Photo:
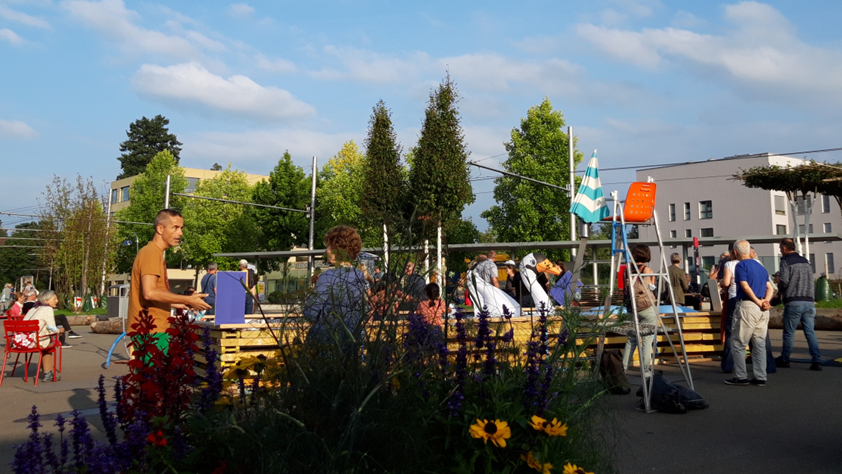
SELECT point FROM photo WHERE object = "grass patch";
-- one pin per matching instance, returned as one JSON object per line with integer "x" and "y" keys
{"x": 835, "y": 303}
{"x": 94, "y": 311}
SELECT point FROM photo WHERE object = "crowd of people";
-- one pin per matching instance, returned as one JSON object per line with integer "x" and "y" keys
{"x": 749, "y": 292}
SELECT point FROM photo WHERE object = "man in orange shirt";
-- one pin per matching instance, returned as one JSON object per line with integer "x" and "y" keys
{"x": 150, "y": 288}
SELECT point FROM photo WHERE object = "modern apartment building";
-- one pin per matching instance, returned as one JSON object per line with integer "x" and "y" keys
{"x": 701, "y": 199}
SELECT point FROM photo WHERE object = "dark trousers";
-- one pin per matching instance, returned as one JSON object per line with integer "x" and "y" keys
{"x": 61, "y": 320}
{"x": 727, "y": 363}
{"x": 249, "y": 303}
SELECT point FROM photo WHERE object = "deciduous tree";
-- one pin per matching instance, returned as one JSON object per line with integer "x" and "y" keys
{"x": 287, "y": 187}
{"x": 526, "y": 211}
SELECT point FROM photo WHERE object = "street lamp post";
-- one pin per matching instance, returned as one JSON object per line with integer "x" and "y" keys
{"x": 136, "y": 243}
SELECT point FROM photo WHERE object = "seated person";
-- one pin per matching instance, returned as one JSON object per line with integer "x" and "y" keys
{"x": 432, "y": 311}
{"x": 459, "y": 293}
{"x": 336, "y": 308}
{"x": 17, "y": 307}
{"x": 45, "y": 316}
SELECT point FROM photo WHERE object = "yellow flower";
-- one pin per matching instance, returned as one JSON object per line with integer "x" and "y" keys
{"x": 497, "y": 431}
{"x": 574, "y": 469}
{"x": 535, "y": 464}
{"x": 552, "y": 428}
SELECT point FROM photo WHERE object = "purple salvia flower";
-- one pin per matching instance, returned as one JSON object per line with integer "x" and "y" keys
{"x": 443, "y": 353}
{"x": 179, "y": 444}
{"x": 63, "y": 440}
{"x": 49, "y": 453}
{"x": 213, "y": 379}
{"x": 562, "y": 338}
{"x": 461, "y": 370}
{"x": 108, "y": 421}
{"x": 83, "y": 443}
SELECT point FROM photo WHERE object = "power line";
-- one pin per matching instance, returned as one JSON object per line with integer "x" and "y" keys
{"x": 240, "y": 202}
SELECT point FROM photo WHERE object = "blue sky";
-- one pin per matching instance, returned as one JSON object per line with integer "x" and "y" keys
{"x": 643, "y": 81}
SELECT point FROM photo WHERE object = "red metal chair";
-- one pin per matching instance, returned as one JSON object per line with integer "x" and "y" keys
{"x": 22, "y": 338}
{"x": 14, "y": 317}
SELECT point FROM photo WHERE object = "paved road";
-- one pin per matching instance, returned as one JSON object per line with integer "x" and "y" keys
{"x": 792, "y": 425}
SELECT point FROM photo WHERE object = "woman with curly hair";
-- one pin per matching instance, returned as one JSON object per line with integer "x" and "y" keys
{"x": 336, "y": 308}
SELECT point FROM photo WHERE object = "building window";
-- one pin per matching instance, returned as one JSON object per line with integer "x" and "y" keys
{"x": 828, "y": 257}
{"x": 827, "y": 228}
{"x": 705, "y": 210}
{"x": 780, "y": 205}
{"x": 191, "y": 185}
{"x": 673, "y": 234}
{"x": 686, "y": 211}
{"x": 708, "y": 262}
{"x": 688, "y": 233}
{"x": 707, "y": 232}
{"x": 125, "y": 193}
{"x": 825, "y": 203}
{"x": 813, "y": 262}
{"x": 801, "y": 228}
{"x": 672, "y": 212}
{"x": 114, "y": 195}
{"x": 780, "y": 229}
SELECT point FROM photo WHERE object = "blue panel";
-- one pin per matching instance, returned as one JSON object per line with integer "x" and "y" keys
{"x": 230, "y": 298}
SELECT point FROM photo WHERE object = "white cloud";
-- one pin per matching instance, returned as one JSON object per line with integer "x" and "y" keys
{"x": 492, "y": 72}
{"x": 16, "y": 129}
{"x": 278, "y": 65}
{"x": 20, "y": 17}
{"x": 241, "y": 10}
{"x": 261, "y": 149}
{"x": 761, "y": 54}
{"x": 371, "y": 67}
{"x": 112, "y": 19}
{"x": 10, "y": 36}
{"x": 192, "y": 84}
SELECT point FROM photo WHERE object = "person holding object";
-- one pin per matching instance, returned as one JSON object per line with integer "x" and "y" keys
{"x": 45, "y": 316}
{"x": 797, "y": 290}
{"x": 678, "y": 281}
{"x": 150, "y": 287}
{"x": 751, "y": 316}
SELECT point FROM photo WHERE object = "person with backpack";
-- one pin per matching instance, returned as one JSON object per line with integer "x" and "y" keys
{"x": 640, "y": 288}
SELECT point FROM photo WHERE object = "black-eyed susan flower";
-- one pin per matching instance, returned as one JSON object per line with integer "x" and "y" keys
{"x": 574, "y": 469}
{"x": 497, "y": 431}
{"x": 535, "y": 464}
{"x": 552, "y": 428}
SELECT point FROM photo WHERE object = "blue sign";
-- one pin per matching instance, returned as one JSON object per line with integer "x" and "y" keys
{"x": 127, "y": 242}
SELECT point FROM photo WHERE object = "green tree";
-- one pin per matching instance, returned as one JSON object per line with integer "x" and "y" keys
{"x": 287, "y": 187}
{"x": 146, "y": 138}
{"x": 146, "y": 199}
{"x": 463, "y": 231}
{"x": 385, "y": 182}
{"x": 526, "y": 211}
{"x": 438, "y": 178}
{"x": 339, "y": 195}
{"x": 76, "y": 226}
{"x": 212, "y": 227}
{"x": 18, "y": 261}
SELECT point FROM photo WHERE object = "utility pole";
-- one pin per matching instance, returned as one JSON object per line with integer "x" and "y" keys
{"x": 310, "y": 260}
{"x": 573, "y": 220}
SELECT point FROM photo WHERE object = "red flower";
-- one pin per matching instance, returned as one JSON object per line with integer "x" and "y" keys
{"x": 221, "y": 469}
{"x": 157, "y": 439}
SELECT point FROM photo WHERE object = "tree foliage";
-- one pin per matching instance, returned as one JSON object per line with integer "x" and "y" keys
{"x": 212, "y": 226}
{"x": 799, "y": 180}
{"x": 526, "y": 211}
{"x": 385, "y": 182}
{"x": 438, "y": 178}
{"x": 16, "y": 262}
{"x": 287, "y": 187}
{"x": 341, "y": 185}
{"x": 76, "y": 226}
{"x": 146, "y": 199}
{"x": 146, "y": 138}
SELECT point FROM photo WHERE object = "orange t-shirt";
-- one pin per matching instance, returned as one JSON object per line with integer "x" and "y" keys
{"x": 432, "y": 314}
{"x": 149, "y": 261}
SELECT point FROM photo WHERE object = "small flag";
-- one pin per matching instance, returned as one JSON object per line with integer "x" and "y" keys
{"x": 589, "y": 203}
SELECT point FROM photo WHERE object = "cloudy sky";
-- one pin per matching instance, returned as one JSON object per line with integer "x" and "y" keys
{"x": 643, "y": 81}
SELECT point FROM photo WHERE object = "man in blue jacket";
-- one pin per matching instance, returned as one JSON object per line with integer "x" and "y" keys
{"x": 797, "y": 291}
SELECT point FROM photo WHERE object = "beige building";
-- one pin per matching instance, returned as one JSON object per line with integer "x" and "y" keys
{"x": 700, "y": 200}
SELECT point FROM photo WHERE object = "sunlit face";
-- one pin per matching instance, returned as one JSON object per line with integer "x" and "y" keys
{"x": 329, "y": 255}
{"x": 410, "y": 267}
{"x": 53, "y": 301}
{"x": 171, "y": 231}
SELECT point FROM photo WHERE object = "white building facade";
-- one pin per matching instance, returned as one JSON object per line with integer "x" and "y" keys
{"x": 701, "y": 199}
